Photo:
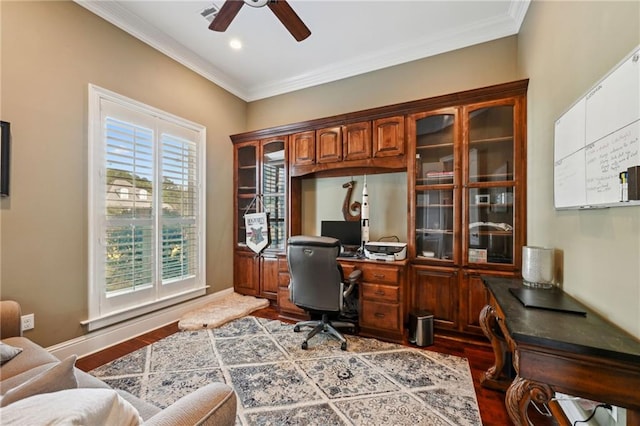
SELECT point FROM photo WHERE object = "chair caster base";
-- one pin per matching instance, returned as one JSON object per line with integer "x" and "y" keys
{"x": 343, "y": 346}
{"x": 296, "y": 329}
{"x": 305, "y": 345}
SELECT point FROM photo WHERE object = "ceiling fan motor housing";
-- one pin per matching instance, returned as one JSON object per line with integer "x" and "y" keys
{"x": 256, "y": 3}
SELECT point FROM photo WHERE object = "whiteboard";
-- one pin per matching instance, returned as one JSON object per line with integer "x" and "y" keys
{"x": 597, "y": 138}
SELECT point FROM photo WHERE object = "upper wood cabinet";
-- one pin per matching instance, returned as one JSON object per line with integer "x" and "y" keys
{"x": 329, "y": 145}
{"x": 330, "y": 149}
{"x": 302, "y": 148}
{"x": 388, "y": 136}
{"x": 466, "y": 185}
{"x": 356, "y": 142}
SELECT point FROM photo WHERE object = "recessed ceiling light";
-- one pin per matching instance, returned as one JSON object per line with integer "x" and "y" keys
{"x": 235, "y": 44}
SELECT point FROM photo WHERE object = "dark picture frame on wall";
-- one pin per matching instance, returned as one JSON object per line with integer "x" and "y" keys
{"x": 5, "y": 156}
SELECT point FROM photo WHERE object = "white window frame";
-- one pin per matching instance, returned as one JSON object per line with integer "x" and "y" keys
{"x": 106, "y": 309}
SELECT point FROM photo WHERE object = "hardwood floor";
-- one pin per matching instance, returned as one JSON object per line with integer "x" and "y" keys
{"x": 491, "y": 403}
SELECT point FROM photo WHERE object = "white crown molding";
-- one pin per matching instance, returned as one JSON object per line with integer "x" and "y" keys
{"x": 457, "y": 38}
{"x": 517, "y": 11}
{"x": 112, "y": 12}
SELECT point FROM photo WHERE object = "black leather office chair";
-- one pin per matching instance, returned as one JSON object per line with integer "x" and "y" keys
{"x": 317, "y": 285}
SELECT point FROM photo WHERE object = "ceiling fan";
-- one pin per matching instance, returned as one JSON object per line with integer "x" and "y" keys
{"x": 280, "y": 8}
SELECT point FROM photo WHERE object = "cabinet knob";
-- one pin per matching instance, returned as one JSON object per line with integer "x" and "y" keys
{"x": 379, "y": 276}
{"x": 378, "y": 315}
{"x": 380, "y": 293}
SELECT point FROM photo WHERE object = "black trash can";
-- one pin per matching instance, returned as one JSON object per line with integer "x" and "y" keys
{"x": 421, "y": 328}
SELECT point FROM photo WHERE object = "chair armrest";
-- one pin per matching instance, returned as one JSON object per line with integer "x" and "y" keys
{"x": 352, "y": 280}
{"x": 10, "y": 321}
{"x": 354, "y": 276}
{"x": 214, "y": 404}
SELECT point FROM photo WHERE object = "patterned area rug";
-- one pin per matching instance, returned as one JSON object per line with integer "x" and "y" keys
{"x": 221, "y": 311}
{"x": 278, "y": 383}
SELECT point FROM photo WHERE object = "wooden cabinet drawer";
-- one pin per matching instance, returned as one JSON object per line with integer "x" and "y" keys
{"x": 347, "y": 268}
{"x": 381, "y": 274}
{"x": 380, "y": 315}
{"x": 383, "y": 293}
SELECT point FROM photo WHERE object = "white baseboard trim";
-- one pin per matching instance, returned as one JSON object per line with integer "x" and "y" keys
{"x": 100, "y": 339}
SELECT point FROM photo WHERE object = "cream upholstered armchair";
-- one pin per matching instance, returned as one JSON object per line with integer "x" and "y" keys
{"x": 61, "y": 384}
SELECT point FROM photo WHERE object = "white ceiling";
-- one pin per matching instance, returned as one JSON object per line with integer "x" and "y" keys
{"x": 348, "y": 37}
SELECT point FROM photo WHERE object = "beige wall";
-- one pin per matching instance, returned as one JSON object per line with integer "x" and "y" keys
{"x": 565, "y": 48}
{"x": 477, "y": 66}
{"x": 50, "y": 52}
{"x": 387, "y": 193}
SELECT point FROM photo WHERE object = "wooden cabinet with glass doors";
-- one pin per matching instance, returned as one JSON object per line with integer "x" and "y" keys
{"x": 467, "y": 204}
{"x": 260, "y": 186}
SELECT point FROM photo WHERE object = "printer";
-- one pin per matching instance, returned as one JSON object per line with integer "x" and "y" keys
{"x": 382, "y": 250}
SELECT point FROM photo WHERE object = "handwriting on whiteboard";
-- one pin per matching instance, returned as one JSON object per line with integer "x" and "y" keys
{"x": 605, "y": 160}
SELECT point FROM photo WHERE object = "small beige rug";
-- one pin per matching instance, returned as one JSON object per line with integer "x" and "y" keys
{"x": 221, "y": 311}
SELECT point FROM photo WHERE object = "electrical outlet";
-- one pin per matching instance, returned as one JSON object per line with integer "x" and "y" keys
{"x": 28, "y": 322}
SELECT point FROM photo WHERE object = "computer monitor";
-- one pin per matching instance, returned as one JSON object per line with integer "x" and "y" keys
{"x": 348, "y": 232}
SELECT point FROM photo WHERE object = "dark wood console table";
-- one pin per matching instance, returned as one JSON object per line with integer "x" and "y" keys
{"x": 553, "y": 351}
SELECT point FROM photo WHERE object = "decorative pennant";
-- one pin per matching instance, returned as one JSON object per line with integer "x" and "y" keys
{"x": 257, "y": 226}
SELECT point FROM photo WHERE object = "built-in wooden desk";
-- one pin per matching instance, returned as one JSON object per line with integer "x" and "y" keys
{"x": 585, "y": 356}
{"x": 382, "y": 295}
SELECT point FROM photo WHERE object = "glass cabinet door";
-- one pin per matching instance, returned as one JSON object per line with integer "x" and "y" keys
{"x": 490, "y": 183}
{"x": 434, "y": 224}
{"x": 273, "y": 191}
{"x": 490, "y": 144}
{"x": 491, "y": 225}
{"x": 246, "y": 187}
{"x": 435, "y": 212}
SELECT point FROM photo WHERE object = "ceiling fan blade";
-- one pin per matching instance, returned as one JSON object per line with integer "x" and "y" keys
{"x": 289, "y": 19}
{"x": 225, "y": 15}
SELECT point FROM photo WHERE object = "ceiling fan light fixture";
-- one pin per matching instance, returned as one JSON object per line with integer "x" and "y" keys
{"x": 256, "y": 3}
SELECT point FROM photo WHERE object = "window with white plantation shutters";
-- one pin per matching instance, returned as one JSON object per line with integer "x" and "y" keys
{"x": 128, "y": 218}
{"x": 146, "y": 208}
{"x": 179, "y": 207}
